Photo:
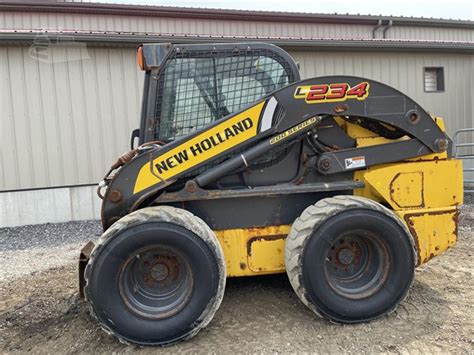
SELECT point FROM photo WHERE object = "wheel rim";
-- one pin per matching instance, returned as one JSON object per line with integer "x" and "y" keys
{"x": 156, "y": 282}
{"x": 357, "y": 264}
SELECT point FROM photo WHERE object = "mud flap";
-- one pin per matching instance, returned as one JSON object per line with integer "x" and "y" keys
{"x": 83, "y": 260}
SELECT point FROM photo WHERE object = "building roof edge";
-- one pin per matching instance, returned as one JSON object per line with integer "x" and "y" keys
{"x": 226, "y": 14}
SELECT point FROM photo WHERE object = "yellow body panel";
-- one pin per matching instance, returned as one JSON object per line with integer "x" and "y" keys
{"x": 424, "y": 192}
{"x": 254, "y": 251}
{"x": 436, "y": 184}
{"x": 434, "y": 230}
{"x": 406, "y": 189}
{"x": 426, "y": 196}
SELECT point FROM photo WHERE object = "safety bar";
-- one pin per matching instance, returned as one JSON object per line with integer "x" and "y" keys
{"x": 468, "y": 182}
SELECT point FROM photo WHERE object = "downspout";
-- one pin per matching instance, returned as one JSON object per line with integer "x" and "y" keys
{"x": 384, "y": 33}
{"x": 379, "y": 24}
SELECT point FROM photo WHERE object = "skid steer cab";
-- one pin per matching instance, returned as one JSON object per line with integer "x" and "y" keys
{"x": 242, "y": 168}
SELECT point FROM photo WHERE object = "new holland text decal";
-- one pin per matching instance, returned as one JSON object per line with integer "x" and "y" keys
{"x": 200, "y": 148}
{"x": 313, "y": 94}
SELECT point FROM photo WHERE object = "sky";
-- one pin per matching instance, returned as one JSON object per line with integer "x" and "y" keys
{"x": 452, "y": 9}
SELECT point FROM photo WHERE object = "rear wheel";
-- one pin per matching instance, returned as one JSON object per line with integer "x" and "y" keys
{"x": 156, "y": 277}
{"x": 350, "y": 259}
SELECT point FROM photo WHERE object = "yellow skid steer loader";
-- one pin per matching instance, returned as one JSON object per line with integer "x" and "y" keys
{"x": 242, "y": 169}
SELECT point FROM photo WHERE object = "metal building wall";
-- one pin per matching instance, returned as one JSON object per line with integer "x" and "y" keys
{"x": 93, "y": 22}
{"x": 66, "y": 116}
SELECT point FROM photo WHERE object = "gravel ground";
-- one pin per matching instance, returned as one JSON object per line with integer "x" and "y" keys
{"x": 40, "y": 310}
{"x": 32, "y": 249}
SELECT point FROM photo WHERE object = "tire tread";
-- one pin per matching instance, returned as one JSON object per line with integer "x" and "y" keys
{"x": 309, "y": 220}
{"x": 169, "y": 214}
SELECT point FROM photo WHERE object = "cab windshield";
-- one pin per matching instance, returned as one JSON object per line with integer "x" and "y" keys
{"x": 197, "y": 88}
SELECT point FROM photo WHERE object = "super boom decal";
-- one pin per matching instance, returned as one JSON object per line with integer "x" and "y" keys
{"x": 313, "y": 94}
{"x": 293, "y": 130}
{"x": 201, "y": 148}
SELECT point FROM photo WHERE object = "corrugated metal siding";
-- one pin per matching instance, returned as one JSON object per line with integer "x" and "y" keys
{"x": 89, "y": 22}
{"x": 64, "y": 122}
{"x": 404, "y": 71}
{"x": 430, "y": 33}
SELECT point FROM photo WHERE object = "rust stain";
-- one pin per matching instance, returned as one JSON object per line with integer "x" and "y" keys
{"x": 262, "y": 237}
{"x": 415, "y": 236}
{"x": 115, "y": 195}
{"x": 304, "y": 159}
{"x": 83, "y": 260}
{"x": 300, "y": 180}
{"x": 340, "y": 108}
{"x": 392, "y": 190}
{"x": 431, "y": 256}
{"x": 456, "y": 221}
{"x": 411, "y": 227}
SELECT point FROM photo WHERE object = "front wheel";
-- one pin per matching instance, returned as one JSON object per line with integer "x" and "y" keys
{"x": 156, "y": 277}
{"x": 350, "y": 259}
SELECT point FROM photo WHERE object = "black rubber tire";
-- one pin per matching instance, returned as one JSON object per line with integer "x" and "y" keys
{"x": 324, "y": 284}
{"x": 155, "y": 227}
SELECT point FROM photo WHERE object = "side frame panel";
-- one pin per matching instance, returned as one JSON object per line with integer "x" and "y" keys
{"x": 426, "y": 195}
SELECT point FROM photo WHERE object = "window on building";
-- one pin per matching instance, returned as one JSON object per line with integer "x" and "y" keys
{"x": 434, "y": 79}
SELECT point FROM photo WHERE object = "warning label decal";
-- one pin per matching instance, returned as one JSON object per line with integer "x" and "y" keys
{"x": 355, "y": 162}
